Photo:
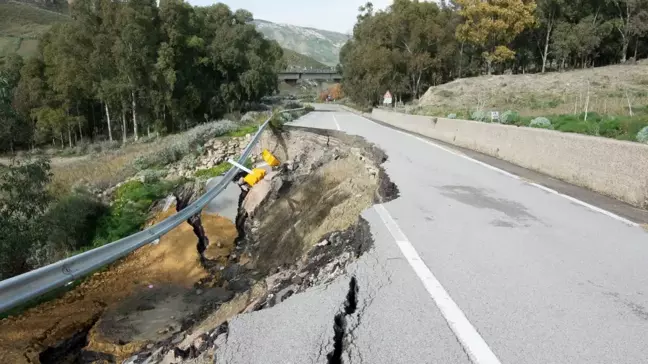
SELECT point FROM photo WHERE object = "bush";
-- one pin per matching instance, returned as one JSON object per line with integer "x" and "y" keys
{"x": 510, "y": 117}
{"x": 152, "y": 175}
{"x": 71, "y": 224}
{"x": 541, "y": 122}
{"x": 642, "y": 135}
{"x": 478, "y": 116}
{"x": 451, "y": 116}
{"x": 610, "y": 128}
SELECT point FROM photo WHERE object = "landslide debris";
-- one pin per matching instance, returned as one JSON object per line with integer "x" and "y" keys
{"x": 300, "y": 227}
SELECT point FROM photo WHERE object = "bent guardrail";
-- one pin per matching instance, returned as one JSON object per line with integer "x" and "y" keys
{"x": 20, "y": 289}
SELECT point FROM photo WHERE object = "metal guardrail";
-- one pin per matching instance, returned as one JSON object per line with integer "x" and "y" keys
{"x": 20, "y": 289}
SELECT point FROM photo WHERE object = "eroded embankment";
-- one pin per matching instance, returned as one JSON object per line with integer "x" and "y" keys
{"x": 298, "y": 228}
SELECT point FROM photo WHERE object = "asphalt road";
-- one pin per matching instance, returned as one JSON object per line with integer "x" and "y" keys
{"x": 469, "y": 265}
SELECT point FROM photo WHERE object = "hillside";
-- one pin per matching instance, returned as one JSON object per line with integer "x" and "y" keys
{"x": 322, "y": 45}
{"x": 550, "y": 93}
{"x": 21, "y": 24}
{"x": 297, "y": 61}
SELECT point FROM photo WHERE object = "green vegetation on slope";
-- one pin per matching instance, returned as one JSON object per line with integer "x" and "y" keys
{"x": 117, "y": 69}
{"x": 22, "y": 24}
{"x": 26, "y": 21}
{"x": 298, "y": 61}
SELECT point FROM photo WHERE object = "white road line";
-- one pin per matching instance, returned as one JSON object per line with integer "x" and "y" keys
{"x": 546, "y": 189}
{"x": 336, "y": 122}
{"x": 478, "y": 351}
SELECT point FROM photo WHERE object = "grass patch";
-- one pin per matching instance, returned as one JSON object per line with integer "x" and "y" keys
{"x": 220, "y": 169}
{"x": 8, "y": 45}
{"x": 243, "y": 131}
{"x": 28, "y": 48}
{"x": 130, "y": 209}
{"x": 27, "y": 21}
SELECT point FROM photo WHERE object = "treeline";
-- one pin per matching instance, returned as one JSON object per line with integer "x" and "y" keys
{"x": 413, "y": 45}
{"x": 122, "y": 68}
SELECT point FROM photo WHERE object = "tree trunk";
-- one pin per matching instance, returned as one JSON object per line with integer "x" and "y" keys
{"x": 461, "y": 59}
{"x": 79, "y": 121}
{"x": 124, "y": 126}
{"x": 135, "y": 135}
{"x": 546, "y": 47}
{"x": 624, "y": 50}
{"x": 70, "y": 135}
{"x": 109, "y": 124}
{"x": 636, "y": 46}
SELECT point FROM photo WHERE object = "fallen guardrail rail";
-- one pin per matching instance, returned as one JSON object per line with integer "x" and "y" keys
{"x": 20, "y": 289}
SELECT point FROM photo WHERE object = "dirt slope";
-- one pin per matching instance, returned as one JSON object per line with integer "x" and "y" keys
{"x": 170, "y": 266}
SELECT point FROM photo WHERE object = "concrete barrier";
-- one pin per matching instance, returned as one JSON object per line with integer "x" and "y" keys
{"x": 615, "y": 168}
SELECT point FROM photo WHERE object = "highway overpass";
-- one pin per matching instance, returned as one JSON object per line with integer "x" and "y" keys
{"x": 294, "y": 76}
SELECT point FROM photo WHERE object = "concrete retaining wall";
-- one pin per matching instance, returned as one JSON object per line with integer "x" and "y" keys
{"x": 615, "y": 168}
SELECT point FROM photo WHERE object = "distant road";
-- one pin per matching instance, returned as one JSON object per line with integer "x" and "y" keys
{"x": 471, "y": 265}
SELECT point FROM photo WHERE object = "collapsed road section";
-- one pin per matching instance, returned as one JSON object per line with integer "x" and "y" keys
{"x": 296, "y": 230}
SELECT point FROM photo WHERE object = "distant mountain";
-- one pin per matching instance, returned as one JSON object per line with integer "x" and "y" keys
{"x": 297, "y": 61}
{"x": 321, "y": 45}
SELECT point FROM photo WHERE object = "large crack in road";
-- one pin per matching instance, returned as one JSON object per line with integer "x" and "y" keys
{"x": 297, "y": 230}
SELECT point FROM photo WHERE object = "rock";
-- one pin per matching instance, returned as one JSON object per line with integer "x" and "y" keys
{"x": 323, "y": 243}
{"x": 199, "y": 292}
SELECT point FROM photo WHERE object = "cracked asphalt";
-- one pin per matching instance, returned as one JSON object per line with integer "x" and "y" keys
{"x": 542, "y": 279}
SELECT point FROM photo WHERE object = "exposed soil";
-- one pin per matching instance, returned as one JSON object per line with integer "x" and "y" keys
{"x": 172, "y": 264}
{"x": 298, "y": 228}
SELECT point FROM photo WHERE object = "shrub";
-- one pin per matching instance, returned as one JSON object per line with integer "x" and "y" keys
{"x": 510, "y": 117}
{"x": 610, "y": 128}
{"x": 478, "y": 116}
{"x": 214, "y": 171}
{"x": 541, "y": 122}
{"x": 642, "y": 135}
{"x": 71, "y": 224}
{"x": 452, "y": 116}
{"x": 152, "y": 175}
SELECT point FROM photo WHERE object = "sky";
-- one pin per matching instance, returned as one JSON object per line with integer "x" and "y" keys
{"x": 336, "y": 15}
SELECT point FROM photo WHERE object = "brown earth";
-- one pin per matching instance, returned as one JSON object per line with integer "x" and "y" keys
{"x": 169, "y": 268}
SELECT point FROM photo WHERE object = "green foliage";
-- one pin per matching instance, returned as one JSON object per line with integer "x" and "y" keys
{"x": 541, "y": 122}
{"x": 214, "y": 171}
{"x": 642, "y": 135}
{"x": 71, "y": 224}
{"x": 404, "y": 49}
{"x": 610, "y": 128}
{"x": 129, "y": 210}
{"x": 478, "y": 115}
{"x": 509, "y": 117}
{"x": 452, "y": 116}
{"x": 23, "y": 200}
{"x": 243, "y": 131}
{"x": 298, "y": 61}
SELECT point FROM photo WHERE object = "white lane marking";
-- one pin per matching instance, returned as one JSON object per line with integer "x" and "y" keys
{"x": 501, "y": 171}
{"x": 478, "y": 351}
{"x": 336, "y": 122}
